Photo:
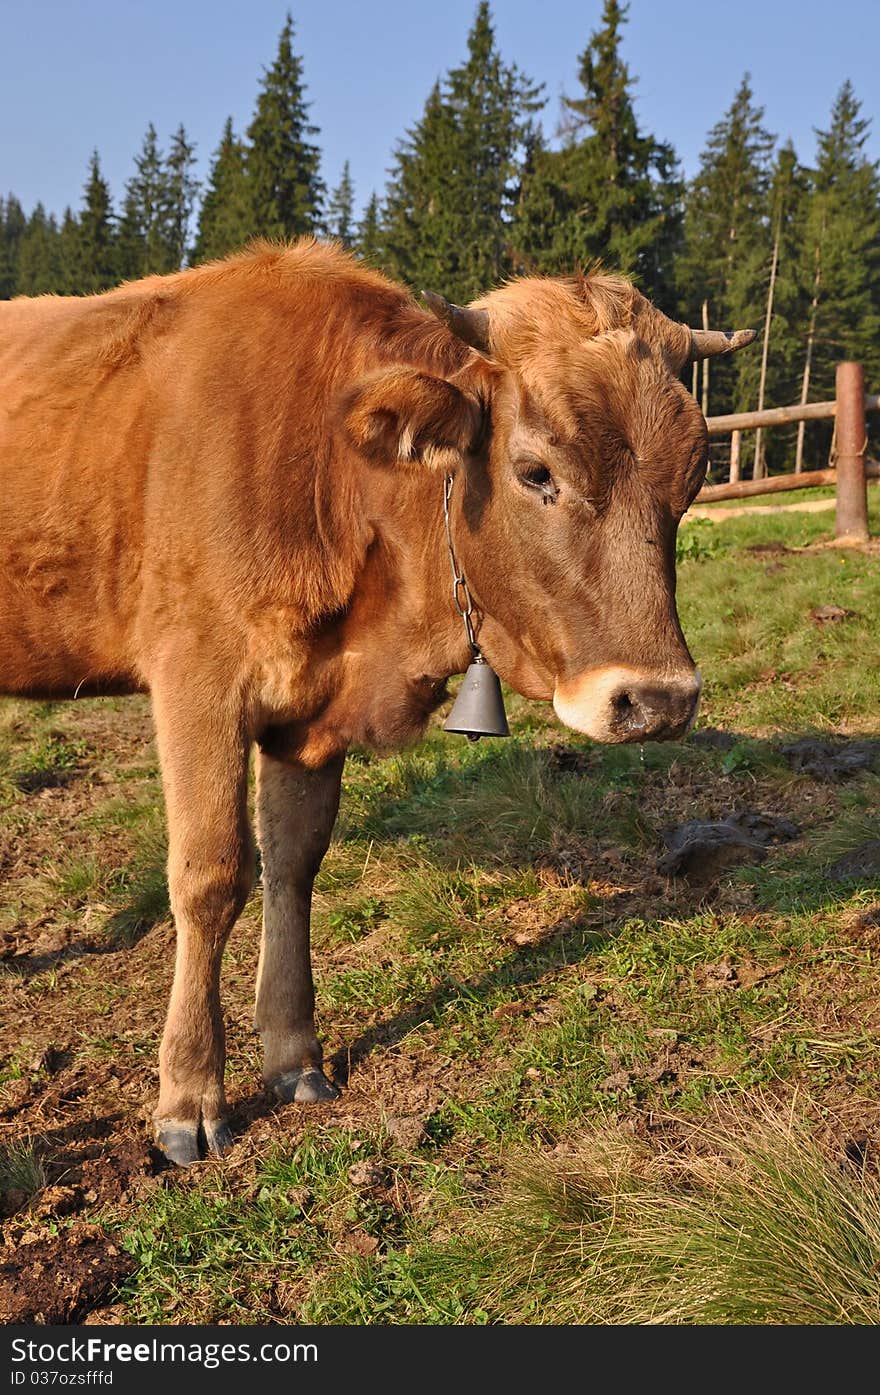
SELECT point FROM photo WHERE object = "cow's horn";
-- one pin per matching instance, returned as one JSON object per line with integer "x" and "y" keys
{"x": 470, "y": 325}
{"x": 706, "y": 343}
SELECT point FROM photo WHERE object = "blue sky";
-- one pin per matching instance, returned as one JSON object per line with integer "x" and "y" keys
{"x": 79, "y": 74}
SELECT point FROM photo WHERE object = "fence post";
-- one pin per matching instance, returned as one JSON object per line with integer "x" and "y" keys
{"x": 735, "y": 444}
{"x": 852, "y": 489}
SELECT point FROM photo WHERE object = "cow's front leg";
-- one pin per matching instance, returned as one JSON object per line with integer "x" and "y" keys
{"x": 203, "y": 752}
{"x": 296, "y": 810}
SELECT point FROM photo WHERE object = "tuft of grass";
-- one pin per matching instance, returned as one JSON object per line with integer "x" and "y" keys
{"x": 146, "y": 894}
{"x": 755, "y": 1228}
{"x": 21, "y": 1170}
{"x": 51, "y": 761}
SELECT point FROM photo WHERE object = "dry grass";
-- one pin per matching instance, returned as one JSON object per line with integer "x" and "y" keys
{"x": 749, "y": 1224}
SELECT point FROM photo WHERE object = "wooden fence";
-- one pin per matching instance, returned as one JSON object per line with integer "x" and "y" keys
{"x": 849, "y": 476}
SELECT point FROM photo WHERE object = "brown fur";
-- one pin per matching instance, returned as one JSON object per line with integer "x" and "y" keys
{"x": 224, "y": 487}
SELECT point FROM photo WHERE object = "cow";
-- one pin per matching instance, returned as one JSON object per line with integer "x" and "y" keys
{"x": 225, "y": 488}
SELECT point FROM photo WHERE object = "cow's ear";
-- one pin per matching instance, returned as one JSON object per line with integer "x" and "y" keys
{"x": 404, "y": 415}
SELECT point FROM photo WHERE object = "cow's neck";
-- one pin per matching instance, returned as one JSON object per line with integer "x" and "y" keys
{"x": 380, "y": 669}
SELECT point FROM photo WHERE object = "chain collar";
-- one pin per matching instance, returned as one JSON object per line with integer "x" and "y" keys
{"x": 460, "y": 593}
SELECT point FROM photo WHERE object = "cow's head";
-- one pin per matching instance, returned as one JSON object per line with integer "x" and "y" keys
{"x": 573, "y": 479}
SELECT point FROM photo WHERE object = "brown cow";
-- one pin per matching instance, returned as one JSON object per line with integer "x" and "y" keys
{"x": 225, "y": 487}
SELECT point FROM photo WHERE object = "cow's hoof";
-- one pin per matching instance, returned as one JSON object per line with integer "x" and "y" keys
{"x": 309, "y": 1085}
{"x": 179, "y": 1142}
{"x": 185, "y": 1143}
{"x": 218, "y": 1136}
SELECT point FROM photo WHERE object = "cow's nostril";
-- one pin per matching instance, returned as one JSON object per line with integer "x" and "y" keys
{"x": 629, "y": 713}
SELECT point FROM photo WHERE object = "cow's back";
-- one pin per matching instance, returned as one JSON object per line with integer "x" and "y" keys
{"x": 75, "y": 425}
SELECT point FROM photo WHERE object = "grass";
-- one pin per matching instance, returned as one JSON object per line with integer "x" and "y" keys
{"x": 750, "y": 1226}
{"x": 22, "y": 1171}
{"x": 498, "y": 958}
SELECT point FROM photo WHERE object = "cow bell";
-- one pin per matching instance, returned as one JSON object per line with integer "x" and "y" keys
{"x": 479, "y": 708}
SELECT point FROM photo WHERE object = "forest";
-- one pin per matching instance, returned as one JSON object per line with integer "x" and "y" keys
{"x": 490, "y": 183}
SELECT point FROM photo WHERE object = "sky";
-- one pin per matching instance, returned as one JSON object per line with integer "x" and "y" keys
{"x": 84, "y": 74}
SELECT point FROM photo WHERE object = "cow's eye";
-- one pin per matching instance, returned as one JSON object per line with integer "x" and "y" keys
{"x": 539, "y": 478}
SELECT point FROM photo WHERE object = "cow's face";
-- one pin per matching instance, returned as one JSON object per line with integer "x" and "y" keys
{"x": 566, "y": 520}
{"x": 575, "y": 451}
{"x": 567, "y": 524}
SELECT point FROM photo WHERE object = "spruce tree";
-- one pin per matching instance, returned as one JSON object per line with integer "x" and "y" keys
{"x": 181, "y": 191}
{"x": 843, "y": 243}
{"x": 340, "y": 209}
{"x": 144, "y": 240}
{"x": 39, "y": 268}
{"x": 368, "y": 240}
{"x": 226, "y": 219}
{"x": 447, "y": 214}
{"x": 68, "y": 254}
{"x": 611, "y": 193}
{"x": 788, "y": 198}
{"x": 96, "y": 263}
{"x": 727, "y": 235}
{"x": 420, "y": 222}
{"x": 283, "y": 165}
{"x": 13, "y": 228}
{"x": 7, "y": 277}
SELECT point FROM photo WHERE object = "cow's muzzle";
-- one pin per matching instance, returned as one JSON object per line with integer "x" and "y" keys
{"x": 626, "y": 704}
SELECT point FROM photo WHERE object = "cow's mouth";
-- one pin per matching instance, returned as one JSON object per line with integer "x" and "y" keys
{"x": 615, "y": 704}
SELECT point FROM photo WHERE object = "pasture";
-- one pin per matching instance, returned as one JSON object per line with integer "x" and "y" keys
{"x": 579, "y": 1085}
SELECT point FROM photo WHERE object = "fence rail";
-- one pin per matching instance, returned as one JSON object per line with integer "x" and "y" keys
{"x": 852, "y": 473}
{"x": 773, "y": 484}
{"x": 781, "y": 416}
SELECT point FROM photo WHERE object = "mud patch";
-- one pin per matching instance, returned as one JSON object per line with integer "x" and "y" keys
{"x": 712, "y": 739}
{"x": 862, "y": 864}
{"x": 50, "y": 1279}
{"x": 768, "y": 549}
{"x": 830, "y": 614}
{"x": 827, "y": 760}
{"x": 701, "y": 850}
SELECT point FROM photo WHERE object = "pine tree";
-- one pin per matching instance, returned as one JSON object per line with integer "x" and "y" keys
{"x": 226, "y": 217}
{"x": 611, "y": 193}
{"x": 368, "y": 241}
{"x": 13, "y": 228}
{"x": 447, "y": 214}
{"x": 727, "y": 239}
{"x": 843, "y": 241}
{"x": 420, "y": 223}
{"x": 789, "y": 190}
{"x": 340, "y": 209}
{"x": 131, "y": 251}
{"x": 181, "y": 192}
{"x": 285, "y": 186}
{"x": 7, "y": 277}
{"x": 39, "y": 268}
{"x": 68, "y": 254}
{"x": 144, "y": 239}
{"x": 96, "y": 264}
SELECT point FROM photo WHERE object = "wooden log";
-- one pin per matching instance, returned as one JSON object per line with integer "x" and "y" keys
{"x": 777, "y": 484}
{"x": 852, "y": 493}
{"x": 781, "y": 416}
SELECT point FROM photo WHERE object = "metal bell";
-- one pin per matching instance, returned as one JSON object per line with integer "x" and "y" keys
{"x": 479, "y": 708}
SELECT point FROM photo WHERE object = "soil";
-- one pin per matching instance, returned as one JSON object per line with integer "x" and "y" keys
{"x": 59, "y": 1278}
